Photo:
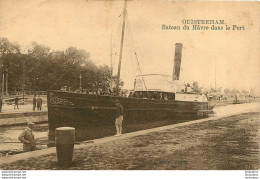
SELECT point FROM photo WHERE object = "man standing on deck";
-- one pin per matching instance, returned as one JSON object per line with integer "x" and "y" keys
{"x": 27, "y": 138}
{"x": 119, "y": 117}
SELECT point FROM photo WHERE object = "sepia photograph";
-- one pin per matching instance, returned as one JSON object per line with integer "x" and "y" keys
{"x": 129, "y": 85}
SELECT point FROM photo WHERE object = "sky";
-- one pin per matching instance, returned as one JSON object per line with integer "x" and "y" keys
{"x": 89, "y": 25}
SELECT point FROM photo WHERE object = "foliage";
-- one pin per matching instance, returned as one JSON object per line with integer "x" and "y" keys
{"x": 196, "y": 88}
{"x": 50, "y": 70}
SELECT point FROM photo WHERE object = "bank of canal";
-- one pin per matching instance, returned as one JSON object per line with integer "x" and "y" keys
{"x": 231, "y": 143}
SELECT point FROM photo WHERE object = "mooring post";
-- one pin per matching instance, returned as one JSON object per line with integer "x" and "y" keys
{"x": 64, "y": 139}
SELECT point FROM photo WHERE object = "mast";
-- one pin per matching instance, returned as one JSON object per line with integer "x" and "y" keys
{"x": 121, "y": 50}
{"x": 177, "y": 61}
{"x": 111, "y": 65}
{"x": 6, "y": 82}
{"x": 215, "y": 78}
{"x": 23, "y": 86}
{"x": 3, "y": 86}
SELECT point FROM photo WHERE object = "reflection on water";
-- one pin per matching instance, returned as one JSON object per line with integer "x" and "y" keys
{"x": 11, "y": 134}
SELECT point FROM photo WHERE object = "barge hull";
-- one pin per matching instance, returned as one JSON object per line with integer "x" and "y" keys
{"x": 94, "y": 116}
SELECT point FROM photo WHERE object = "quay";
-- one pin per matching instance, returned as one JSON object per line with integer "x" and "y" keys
{"x": 12, "y": 117}
{"x": 229, "y": 141}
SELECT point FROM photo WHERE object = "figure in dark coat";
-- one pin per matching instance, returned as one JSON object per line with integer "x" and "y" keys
{"x": 39, "y": 103}
{"x": 1, "y": 104}
{"x": 27, "y": 138}
{"x": 34, "y": 103}
{"x": 16, "y": 102}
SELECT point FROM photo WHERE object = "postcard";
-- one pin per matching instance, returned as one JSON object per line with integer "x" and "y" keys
{"x": 129, "y": 85}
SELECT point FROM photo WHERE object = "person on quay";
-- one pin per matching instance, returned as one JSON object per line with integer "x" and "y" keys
{"x": 16, "y": 102}
{"x": 27, "y": 138}
{"x": 39, "y": 103}
{"x": 34, "y": 102}
{"x": 119, "y": 117}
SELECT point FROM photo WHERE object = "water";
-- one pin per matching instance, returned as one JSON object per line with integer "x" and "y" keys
{"x": 236, "y": 108}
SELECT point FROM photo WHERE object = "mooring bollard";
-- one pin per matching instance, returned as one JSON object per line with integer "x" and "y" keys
{"x": 64, "y": 139}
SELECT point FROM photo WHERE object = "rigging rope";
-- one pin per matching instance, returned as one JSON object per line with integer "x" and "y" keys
{"x": 132, "y": 51}
{"x": 130, "y": 32}
{"x": 115, "y": 43}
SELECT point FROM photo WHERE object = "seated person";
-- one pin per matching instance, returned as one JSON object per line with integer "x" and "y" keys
{"x": 165, "y": 97}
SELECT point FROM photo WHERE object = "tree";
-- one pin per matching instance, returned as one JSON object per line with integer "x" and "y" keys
{"x": 49, "y": 70}
{"x": 75, "y": 56}
{"x": 38, "y": 51}
{"x": 226, "y": 91}
{"x": 13, "y": 67}
{"x": 9, "y": 60}
{"x": 244, "y": 91}
{"x": 196, "y": 88}
{"x": 212, "y": 90}
{"x": 219, "y": 90}
{"x": 7, "y": 47}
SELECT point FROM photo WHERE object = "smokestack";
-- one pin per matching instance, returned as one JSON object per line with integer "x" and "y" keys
{"x": 177, "y": 61}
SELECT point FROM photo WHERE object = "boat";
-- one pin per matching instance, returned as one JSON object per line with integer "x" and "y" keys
{"x": 156, "y": 100}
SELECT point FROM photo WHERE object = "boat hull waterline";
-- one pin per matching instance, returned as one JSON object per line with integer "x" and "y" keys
{"x": 93, "y": 116}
